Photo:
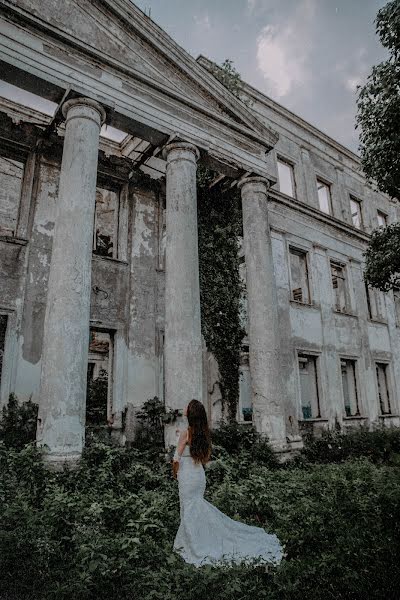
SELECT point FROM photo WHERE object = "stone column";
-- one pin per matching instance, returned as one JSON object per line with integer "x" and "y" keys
{"x": 183, "y": 348}
{"x": 263, "y": 329}
{"x": 61, "y": 422}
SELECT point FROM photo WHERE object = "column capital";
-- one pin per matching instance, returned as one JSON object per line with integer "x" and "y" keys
{"x": 83, "y": 103}
{"x": 184, "y": 148}
{"x": 256, "y": 182}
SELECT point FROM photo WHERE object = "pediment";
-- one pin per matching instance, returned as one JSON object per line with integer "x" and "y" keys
{"x": 117, "y": 33}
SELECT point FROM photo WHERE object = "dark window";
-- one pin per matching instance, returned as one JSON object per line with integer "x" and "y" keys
{"x": 356, "y": 214}
{"x": 324, "y": 197}
{"x": 383, "y": 388}
{"x": 300, "y": 287}
{"x": 98, "y": 376}
{"x": 106, "y": 223}
{"x": 11, "y": 173}
{"x": 349, "y": 385}
{"x": 309, "y": 392}
{"x": 3, "y": 330}
{"x": 339, "y": 284}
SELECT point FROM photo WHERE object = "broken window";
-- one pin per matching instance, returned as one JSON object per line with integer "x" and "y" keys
{"x": 99, "y": 374}
{"x": 300, "y": 287}
{"x": 349, "y": 385}
{"x": 245, "y": 403}
{"x": 11, "y": 173}
{"x": 3, "y": 329}
{"x": 396, "y": 298}
{"x": 309, "y": 392}
{"x": 376, "y": 303}
{"x": 286, "y": 178}
{"x": 106, "y": 223}
{"x": 383, "y": 388}
{"x": 339, "y": 285}
{"x": 382, "y": 218}
{"x": 243, "y": 307}
{"x": 356, "y": 214}
{"x": 324, "y": 197}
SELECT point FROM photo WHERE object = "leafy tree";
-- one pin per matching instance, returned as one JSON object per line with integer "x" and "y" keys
{"x": 379, "y": 108}
{"x": 379, "y": 121}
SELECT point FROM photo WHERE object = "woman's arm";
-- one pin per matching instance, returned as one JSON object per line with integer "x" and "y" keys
{"x": 179, "y": 451}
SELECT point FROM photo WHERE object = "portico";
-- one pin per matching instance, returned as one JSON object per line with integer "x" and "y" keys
{"x": 142, "y": 83}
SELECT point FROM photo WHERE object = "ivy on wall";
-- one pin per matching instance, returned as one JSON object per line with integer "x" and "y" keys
{"x": 221, "y": 289}
{"x": 219, "y": 225}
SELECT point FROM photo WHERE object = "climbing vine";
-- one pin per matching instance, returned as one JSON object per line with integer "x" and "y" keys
{"x": 221, "y": 289}
{"x": 220, "y": 224}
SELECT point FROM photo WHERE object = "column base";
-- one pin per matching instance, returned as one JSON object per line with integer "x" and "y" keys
{"x": 59, "y": 462}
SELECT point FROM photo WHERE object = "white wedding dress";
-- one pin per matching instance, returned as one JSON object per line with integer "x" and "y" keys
{"x": 206, "y": 535}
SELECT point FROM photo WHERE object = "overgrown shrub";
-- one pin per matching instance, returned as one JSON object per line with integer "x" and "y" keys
{"x": 18, "y": 423}
{"x": 106, "y": 529}
{"x": 379, "y": 446}
{"x": 152, "y": 418}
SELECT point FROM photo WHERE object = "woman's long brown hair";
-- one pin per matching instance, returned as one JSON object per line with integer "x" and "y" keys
{"x": 199, "y": 433}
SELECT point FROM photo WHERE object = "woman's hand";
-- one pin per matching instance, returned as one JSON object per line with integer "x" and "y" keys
{"x": 175, "y": 468}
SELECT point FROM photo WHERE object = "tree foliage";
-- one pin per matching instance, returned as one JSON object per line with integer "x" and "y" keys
{"x": 379, "y": 108}
{"x": 383, "y": 258}
{"x": 378, "y": 119}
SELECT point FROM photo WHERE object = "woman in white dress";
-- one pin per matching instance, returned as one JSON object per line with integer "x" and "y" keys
{"x": 205, "y": 534}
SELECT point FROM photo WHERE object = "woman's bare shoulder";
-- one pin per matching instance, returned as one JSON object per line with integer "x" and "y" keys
{"x": 183, "y": 435}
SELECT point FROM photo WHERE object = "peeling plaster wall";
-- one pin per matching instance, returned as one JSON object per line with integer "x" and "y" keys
{"x": 143, "y": 363}
{"x": 128, "y": 296}
{"x": 318, "y": 328}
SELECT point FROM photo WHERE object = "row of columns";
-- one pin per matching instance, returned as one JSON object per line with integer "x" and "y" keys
{"x": 61, "y": 419}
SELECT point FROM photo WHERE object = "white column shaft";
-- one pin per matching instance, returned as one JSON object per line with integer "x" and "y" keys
{"x": 61, "y": 424}
{"x": 183, "y": 349}
{"x": 264, "y": 351}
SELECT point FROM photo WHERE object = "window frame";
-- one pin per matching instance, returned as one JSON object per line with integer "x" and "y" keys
{"x": 379, "y": 297}
{"x": 348, "y": 308}
{"x": 24, "y": 195}
{"x": 290, "y": 164}
{"x": 306, "y": 253}
{"x": 389, "y": 387}
{"x": 316, "y": 357}
{"x": 7, "y": 380}
{"x": 354, "y": 199}
{"x": 244, "y": 366}
{"x": 396, "y": 295}
{"x": 384, "y": 215}
{"x": 112, "y": 332}
{"x": 355, "y": 363}
{"x": 328, "y": 185}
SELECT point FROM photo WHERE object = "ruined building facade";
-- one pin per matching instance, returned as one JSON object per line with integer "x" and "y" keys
{"x": 98, "y": 238}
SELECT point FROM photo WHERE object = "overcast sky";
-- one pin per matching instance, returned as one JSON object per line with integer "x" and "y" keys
{"x": 309, "y": 55}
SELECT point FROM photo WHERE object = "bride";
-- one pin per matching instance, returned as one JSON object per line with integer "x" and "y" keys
{"x": 205, "y": 534}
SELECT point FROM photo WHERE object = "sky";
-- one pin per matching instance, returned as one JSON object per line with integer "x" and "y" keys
{"x": 308, "y": 55}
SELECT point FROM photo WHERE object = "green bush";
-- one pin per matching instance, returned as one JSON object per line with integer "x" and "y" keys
{"x": 18, "y": 423}
{"x": 380, "y": 446}
{"x": 106, "y": 530}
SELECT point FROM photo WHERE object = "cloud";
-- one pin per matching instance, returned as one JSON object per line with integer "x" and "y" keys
{"x": 251, "y": 5}
{"x": 353, "y": 71}
{"x": 283, "y": 51}
{"x": 203, "y": 22}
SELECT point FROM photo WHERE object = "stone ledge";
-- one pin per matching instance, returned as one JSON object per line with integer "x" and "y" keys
{"x": 345, "y": 314}
{"x": 9, "y": 239}
{"x": 305, "y": 304}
